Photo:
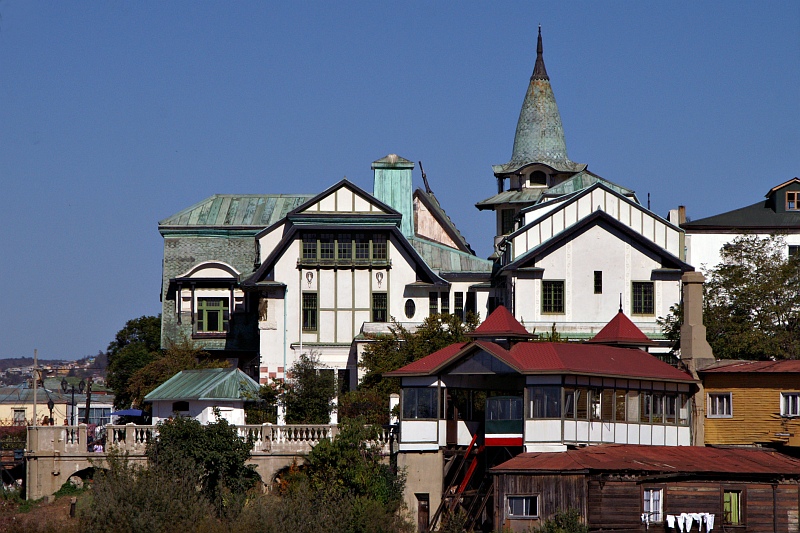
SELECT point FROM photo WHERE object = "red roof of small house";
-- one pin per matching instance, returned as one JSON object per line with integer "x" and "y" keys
{"x": 500, "y": 323}
{"x": 554, "y": 358}
{"x": 763, "y": 367}
{"x": 652, "y": 459}
{"x": 621, "y": 331}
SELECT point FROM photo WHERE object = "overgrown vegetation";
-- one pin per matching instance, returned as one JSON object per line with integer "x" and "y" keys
{"x": 564, "y": 521}
{"x": 751, "y": 302}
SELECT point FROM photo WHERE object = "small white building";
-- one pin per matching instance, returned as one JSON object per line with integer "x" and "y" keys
{"x": 197, "y": 393}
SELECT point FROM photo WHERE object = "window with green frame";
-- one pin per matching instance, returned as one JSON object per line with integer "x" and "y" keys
{"x": 507, "y": 221}
{"x": 344, "y": 247}
{"x": 310, "y": 246}
{"x": 310, "y": 311}
{"x": 732, "y": 507}
{"x": 643, "y": 298}
{"x": 552, "y": 296}
{"x": 361, "y": 247}
{"x": 445, "y": 299}
{"x": 379, "y": 307}
{"x": 458, "y": 305}
{"x": 379, "y": 247}
{"x": 212, "y": 315}
{"x": 433, "y": 303}
{"x": 326, "y": 247}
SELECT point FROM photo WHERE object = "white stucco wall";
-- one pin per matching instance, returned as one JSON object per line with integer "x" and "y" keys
{"x": 702, "y": 249}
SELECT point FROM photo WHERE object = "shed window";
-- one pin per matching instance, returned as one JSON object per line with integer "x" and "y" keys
{"x": 732, "y": 507}
{"x": 522, "y": 506}
{"x": 420, "y": 402}
{"x": 790, "y": 403}
{"x": 720, "y": 405}
{"x": 653, "y": 499}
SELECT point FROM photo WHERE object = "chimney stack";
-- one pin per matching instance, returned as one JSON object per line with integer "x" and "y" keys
{"x": 392, "y": 186}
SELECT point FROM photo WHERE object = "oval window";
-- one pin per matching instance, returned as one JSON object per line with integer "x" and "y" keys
{"x": 411, "y": 308}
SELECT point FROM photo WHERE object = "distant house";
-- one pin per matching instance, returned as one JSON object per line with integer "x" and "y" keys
{"x": 197, "y": 393}
{"x": 16, "y": 406}
{"x": 638, "y": 488}
{"x": 752, "y": 402}
{"x": 778, "y": 213}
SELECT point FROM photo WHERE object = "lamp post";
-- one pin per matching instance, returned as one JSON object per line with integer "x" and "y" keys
{"x": 50, "y": 405}
{"x": 64, "y": 388}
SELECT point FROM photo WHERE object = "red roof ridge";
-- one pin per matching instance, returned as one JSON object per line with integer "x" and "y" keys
{"x": 621, "y": 330}
{"x": 500, "y": 322}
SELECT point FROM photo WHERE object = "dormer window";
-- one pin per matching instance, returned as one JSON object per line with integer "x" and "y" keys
{"x": 793, "y": 200}
{"x": 537, "y": 177}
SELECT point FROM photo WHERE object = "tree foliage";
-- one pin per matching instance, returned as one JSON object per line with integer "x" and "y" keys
{"x": 564, "y": 521}
{"x": 214, "y": 451}
{"x": 134, "y": 346}
{"x": 308, "y": 394}
{"x": 751, "y": 302}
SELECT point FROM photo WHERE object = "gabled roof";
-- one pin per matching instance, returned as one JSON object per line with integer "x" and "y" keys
{"x": 597, "y": 217}
{"x": 553, "y": 358}
{"x": 782, "y": 185}
{"x": 583, "y": 180}
{"x": 760, "y": 367}
{"x": 759, "y": 216}
{"x": 621, "y": 331}
{"x": 206, "y": 384}
{"x": 444, "y": 259}
{"x": 540, "y": 135}
{"x": 500, "y": 323}
{"x": 232, "y": 210}
{"x": 436, "y": 210}
{"x": 655, "y": 459}
{"x": 343, "y": 183}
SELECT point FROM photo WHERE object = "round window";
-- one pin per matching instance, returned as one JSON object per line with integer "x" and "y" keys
{"x": 411, "y": 308}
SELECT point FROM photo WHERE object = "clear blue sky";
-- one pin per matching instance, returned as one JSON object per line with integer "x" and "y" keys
{"x": 115, "y": 115}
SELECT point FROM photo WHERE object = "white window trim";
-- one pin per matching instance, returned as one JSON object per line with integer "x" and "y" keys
{"x": 656, "y": 516}
{"x": 709, "y": 402}
{"x": 784, "y": 396}
{"x": 535, "y": 512}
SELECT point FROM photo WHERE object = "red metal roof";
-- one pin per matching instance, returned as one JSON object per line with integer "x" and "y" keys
{"x": 500, "y": 323}
{"x": 662, "y": 459}
{"x": 555, "y": 358}
{"x": 725, "y": 367}
{"x": 621, "y": 330}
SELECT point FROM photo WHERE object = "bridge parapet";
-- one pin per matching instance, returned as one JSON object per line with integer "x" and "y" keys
{"x": 63, "y": 439}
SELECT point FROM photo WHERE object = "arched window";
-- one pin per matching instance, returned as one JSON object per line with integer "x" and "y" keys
{"x": 537, "y": 177}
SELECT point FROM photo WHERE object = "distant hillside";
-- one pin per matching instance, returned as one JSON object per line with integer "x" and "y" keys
{"x": 13, "y": 362}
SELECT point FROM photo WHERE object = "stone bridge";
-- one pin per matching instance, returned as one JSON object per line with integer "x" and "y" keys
{"x": 55, "y": 453}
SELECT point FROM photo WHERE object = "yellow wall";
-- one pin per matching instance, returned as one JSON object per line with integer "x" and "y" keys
{"x": 756, "y": 405}
{"x": 7, "y": 412}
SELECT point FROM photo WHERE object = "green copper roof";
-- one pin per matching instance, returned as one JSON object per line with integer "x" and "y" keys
{"x": 206, "y": 384}
{"x": 442, "y": 258}
{"x": 225, "y": 210}
{"x": 525, "y": 196}
{"x": 540, "y": 135}
{"x": 582, "y": 180}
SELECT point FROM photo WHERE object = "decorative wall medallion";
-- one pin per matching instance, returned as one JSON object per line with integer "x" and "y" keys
{"x": 379, "y": 277}
{"x": 309, "y": 278}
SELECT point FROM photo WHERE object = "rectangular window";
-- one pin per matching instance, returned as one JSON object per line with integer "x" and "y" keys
{"x": 594, "y": 404}
{"x": 792, "y": 201}
{"x": 607, "y": 405}
{"x": 553, "y": 297}
{"x": 720, "y": 405}
{"x": 379, "y": 307}
{"x": 326, "y": 247}
{"x": 598, "y": 282}
{"x": 445, "y": 297}
{"x": 343, "y": 380}
{"x": 472, "y": 304}
{"x": 310, "y": 246}
{"x": 379, "y": 247}
{"x": 619, "y": 405}
{"x": 670, "y": 408}
{"x": 309, "y": 311}
{"x": 633, "y": 406}
{"x": 433, "y": 303}
{"x": 212, "y": 315}
{"x": 362, "y": 247}
{"x": 683, "y": 409}
{"x": 97, "y": 415}
{"x": 507, "y": 221}
{"x": 732, "y": 507}
{"x": 569, "y": 403}
{"x": 643, "y": 301}
{"x": 522, "y": 506}
{"x": 794, "y": 250}
{"x": 790, "y": 403}
{"x": 344, "y": 248}
{"x": 420, "y": 402}
{"x": 582, "y": 404}
{"x": 19, "y": 417}
{"x": 652, "y": 504}
{"x": 458, "y": 305}
{"x": 544, "y": 401}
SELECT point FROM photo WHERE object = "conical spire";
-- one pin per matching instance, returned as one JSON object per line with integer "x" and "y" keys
{"x": 540, "y": 135}
{"x": 539, "y": 72}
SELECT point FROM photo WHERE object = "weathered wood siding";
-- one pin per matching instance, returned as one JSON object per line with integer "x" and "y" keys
{"x": 616, "y": 505}
{"x": 555, "y": 492}
{"x": 756, "y": 407}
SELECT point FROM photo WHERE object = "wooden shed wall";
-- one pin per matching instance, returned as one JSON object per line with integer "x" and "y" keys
{"x": 755, "y": 400}
{"x": 555, "y": 492}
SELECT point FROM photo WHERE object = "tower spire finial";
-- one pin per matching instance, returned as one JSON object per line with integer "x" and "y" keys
{"x": 539, "y": 72}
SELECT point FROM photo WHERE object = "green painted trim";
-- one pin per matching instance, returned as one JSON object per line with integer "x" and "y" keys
{"x": 210, "y": 232}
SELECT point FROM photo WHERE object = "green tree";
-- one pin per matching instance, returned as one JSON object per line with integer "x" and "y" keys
{"x": 215, "y": 451}
{"x": 751, "y": 302}
{"x": 133, "y": 347}
{"x": 400, "y": 347}
{"x": 178, "y": 356}
{"x": 308, "y": 394}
